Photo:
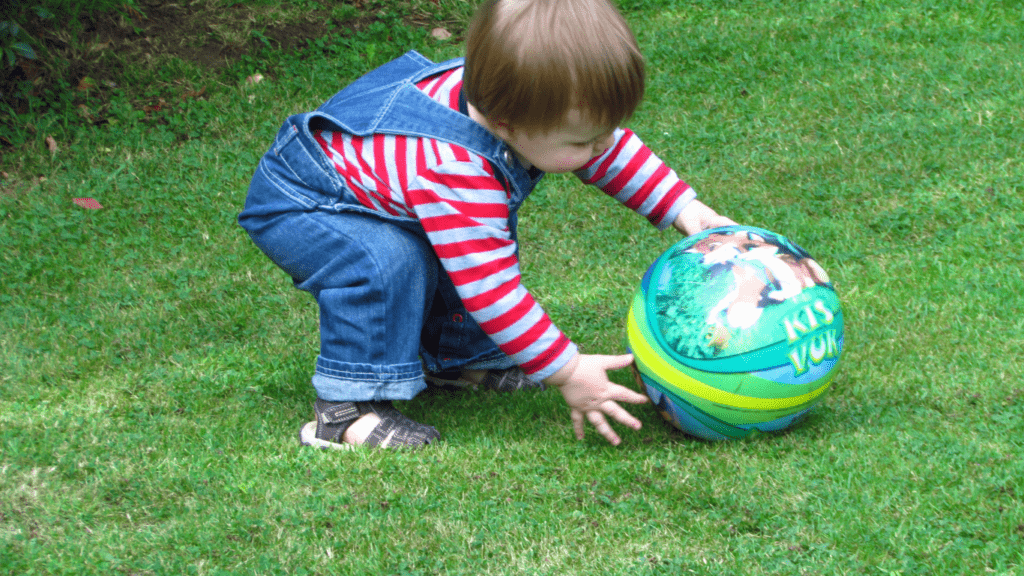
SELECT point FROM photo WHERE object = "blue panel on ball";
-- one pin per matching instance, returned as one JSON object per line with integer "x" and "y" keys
{"x": 679, "y": 417}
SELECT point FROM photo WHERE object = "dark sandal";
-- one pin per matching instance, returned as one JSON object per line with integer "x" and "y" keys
{"x": 451, "y": 380}
{"x": 511, "y": 380}
{"x": 394, "y": 429}
{"x": 507, "y": 380}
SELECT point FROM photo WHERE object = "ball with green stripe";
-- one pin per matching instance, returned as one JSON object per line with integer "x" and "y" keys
{"x": 735, "y": 329}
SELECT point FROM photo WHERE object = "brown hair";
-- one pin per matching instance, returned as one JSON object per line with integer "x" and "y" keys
{"x": 529, "y": 62}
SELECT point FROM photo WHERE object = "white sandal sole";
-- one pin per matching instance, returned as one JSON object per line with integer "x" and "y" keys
{"x": 307, "y": 437}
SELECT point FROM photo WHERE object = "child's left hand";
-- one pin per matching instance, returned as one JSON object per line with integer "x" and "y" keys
{"x": 697, "y": 216}
{"x": 591, "y": 396}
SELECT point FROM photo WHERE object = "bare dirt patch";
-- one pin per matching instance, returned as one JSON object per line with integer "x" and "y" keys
{"x": 84, "y": 65}
{"x": 203, "y": 33}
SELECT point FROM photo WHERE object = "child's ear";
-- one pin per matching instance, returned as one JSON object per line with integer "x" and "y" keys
{"x": 499, "y": 128}
{"x": 503, "y": 130}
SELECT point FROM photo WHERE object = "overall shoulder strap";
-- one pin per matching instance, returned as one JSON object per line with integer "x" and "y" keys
{"x": 387, "y": 101}
{"x": 358, "y": 107}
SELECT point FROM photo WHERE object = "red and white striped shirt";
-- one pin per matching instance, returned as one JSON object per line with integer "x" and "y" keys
{"x": 464, "y": 210}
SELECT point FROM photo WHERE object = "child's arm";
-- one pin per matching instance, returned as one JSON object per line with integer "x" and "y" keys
{"x": 632, "y": 174}
{"x": 697, "y": 216}
{"x": 463, "y": 209}
{"x": 467, "y": 226}
{"x": 590, "y": 395}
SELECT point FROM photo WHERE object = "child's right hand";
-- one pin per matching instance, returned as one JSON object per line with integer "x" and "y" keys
{"x": 591, "y": 395}
{"x": 697, "y": 217}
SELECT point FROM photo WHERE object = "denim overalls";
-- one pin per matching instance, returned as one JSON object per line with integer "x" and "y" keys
{"x": 387, "y": 308}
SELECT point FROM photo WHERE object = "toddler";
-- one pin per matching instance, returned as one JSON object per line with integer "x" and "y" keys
{"x": 395, "y": 205}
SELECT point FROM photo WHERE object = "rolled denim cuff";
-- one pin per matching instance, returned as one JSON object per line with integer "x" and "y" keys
{"x": 346, "y": 382}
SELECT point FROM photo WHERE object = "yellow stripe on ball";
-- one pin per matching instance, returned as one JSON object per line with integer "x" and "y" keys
{"x": 654, "y": 363}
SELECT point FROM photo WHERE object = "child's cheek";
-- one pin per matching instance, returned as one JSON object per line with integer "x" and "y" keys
{"x": 573, "y": 164}
{"x": 573, "y": 161}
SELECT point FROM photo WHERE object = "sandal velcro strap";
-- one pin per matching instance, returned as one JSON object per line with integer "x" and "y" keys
{"x": 393, "y": 433}
{"x": 387, "y": 410}
{"x": 339, "y": 412}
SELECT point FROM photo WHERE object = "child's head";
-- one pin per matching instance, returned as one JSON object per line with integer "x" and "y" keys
{"x": 529, "y": 63}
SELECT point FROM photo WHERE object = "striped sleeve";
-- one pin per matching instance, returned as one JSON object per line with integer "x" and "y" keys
{"x": 629, "y": 172}
{"x": 464, "y": 211}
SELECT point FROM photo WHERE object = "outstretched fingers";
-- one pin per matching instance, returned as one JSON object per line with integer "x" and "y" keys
{"x": 616, "y": 362}
{"x": 578, "y": 425}
{"x": 600, "y": 423}
{"x": 605, "y": 429}
{"x": 597, "y": 420}
{"x": 592, "y": 397}
{"x": 622, "y": 394}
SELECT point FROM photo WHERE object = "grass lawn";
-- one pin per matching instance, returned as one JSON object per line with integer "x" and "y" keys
{"x": 154, "y": 366}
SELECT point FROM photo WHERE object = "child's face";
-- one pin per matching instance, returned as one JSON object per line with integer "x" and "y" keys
{"x": 563, "y": 149}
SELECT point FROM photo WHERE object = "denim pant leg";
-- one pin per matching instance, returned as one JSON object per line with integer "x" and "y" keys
{"x": 373, "y": 281}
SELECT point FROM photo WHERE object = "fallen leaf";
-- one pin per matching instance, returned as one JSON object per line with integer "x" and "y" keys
{"x": 194, "y": 93}
{"x": 254, "y": 79}
{"x": 155, "y": 107}
{"x": 88, "y": 203}
{"x": 86, "y": 83}
{"x": 51, "y": 144}
{"x": 440, "y": 34}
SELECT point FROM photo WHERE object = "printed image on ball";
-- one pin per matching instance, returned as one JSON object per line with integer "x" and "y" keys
{"x": 733, "y": 330}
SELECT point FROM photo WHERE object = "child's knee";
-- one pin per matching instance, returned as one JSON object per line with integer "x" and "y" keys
{"x": 406, "y": 261}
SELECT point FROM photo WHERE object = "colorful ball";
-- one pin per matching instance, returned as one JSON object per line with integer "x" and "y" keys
{"x": 735, "y": 329}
